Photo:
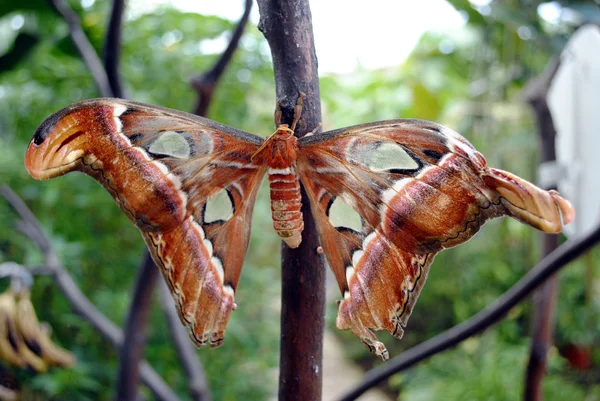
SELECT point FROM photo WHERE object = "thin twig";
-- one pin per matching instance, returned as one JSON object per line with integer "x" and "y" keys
{"x": 287, "y": 26}
{"x": 135, "y": 330}
{"x": 78, "y": 301}
{"x": 84, "y": 47}
{"x": 205, "y": 84}
{"x": 197, "y": 383}
{"x": 112, "y": 48}
{"x": 484, "y": 319}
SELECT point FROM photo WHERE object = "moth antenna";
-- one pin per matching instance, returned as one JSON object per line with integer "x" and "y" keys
{"x": 278, "y": 113}
{"x": 298, "y": 110}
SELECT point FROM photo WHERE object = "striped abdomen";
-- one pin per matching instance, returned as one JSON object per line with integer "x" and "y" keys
{"x": 285, "y": 205}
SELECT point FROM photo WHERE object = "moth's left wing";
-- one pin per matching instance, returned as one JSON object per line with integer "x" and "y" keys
{"x": 186, "y": 182}
{"x": 388, "y": 196}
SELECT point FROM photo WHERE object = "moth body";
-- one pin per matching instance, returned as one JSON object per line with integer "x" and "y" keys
{"x": 279, "y": 154}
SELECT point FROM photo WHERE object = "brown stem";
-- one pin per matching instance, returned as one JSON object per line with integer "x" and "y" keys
{"x": 84, "y": 47}
{"x": 287, "y": 27}
{"x": 135, "y": 330}
{"x": 112, "y": 48}
{"x": 205, "y": 84}
{"x": 80, "y": 304}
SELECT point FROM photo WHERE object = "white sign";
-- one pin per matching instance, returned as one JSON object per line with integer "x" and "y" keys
{"x": 574, "y": 102}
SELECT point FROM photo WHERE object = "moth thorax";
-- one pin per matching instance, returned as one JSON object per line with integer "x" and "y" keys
{"x": 279, "y": 150}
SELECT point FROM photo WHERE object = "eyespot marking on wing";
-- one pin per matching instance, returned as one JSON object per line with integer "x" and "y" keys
{"x": 219, "y": 208}
{"x": 391, "y": 156}
{"x": 341, "y": 215}
{"x": 171, "y": 144}
{"x": 203, "y": 144}
{"x": 383, "y": 156}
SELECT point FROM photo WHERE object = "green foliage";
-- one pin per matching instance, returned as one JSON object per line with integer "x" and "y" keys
{"x": 470, "y": 80}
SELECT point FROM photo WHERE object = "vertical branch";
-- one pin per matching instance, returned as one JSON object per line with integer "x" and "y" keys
{"x": 287, "y": 27}
{"x": 544, "y": 300}
{"x": 84, "y": 47}
{"x": 135, "y": 330}
{"x": 112, "y": 48}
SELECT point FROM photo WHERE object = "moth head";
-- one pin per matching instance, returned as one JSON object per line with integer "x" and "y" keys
{"x": 62, "y": 140}
{"x": 545, "y": 210}
{"x": 283, "y": 132}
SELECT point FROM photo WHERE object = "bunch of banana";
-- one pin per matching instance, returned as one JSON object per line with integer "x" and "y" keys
{"x": 37, "y": 336}
{"x": 23, "y": 341}
{"x": 12, "y": 346}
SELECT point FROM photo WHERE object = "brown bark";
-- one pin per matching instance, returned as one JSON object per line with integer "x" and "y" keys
{"x": 112, "y": 48}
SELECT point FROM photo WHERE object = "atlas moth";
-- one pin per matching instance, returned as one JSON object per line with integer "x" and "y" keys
{"x": 386, "y": 197}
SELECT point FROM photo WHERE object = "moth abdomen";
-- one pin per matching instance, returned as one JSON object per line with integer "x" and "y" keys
{"x": 286, "y": 202}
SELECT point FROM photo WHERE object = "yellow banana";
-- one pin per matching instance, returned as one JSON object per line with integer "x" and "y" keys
{"x": 8, "y": 331}
{"x": 12, "y": 346}
{"x": 37, "y": 337}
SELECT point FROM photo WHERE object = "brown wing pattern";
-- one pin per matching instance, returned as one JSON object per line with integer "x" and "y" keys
{"x": 418, "y": 188}
{"x": 186, "y": 182}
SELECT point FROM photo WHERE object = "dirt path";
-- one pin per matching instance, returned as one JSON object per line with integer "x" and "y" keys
{"x": 339, "y": 373}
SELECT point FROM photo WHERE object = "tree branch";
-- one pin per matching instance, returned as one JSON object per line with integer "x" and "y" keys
{"x": 112, "y": 48}
{"x": 192, "y": 367}
{"x": 78, "y": 301}
{"x": 544, "y": 299}
{"x": 287, "y": 27}
{"x": 132, "y": 349}
{"x": 484, "y": 319}
{"x": 205, "y": 84}
{"x": 84, "y": 47}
